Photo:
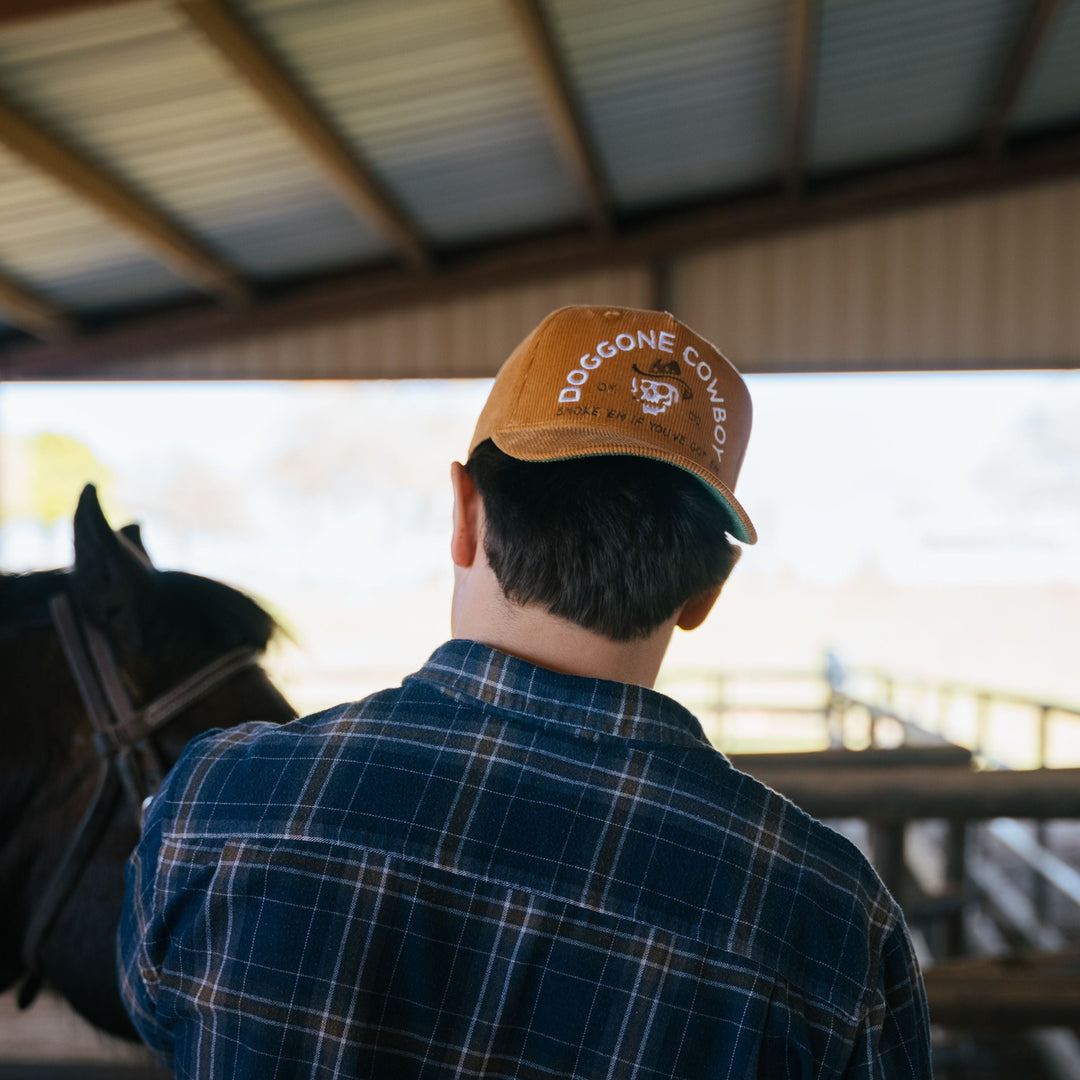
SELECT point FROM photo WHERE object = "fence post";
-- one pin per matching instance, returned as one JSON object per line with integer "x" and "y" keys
{"x": 887, "y": 849}
{"x": 944, "y": 706}
{"x": 1044, "y": 735}
{"x": 956, "y": 885}
{"x": 1040, "y": 894}
{"x": 982, "y": 722}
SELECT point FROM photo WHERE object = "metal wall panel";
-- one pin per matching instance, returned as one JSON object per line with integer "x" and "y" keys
{"x": 988, "y": 282}
{"x": 468, "y": 337}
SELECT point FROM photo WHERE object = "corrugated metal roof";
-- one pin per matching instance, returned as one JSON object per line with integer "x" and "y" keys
{"x": 899, "y": 78}
{"x": 682, "y": 96}
{"x": 1051, "y": 95}
{"x": 440, "y": 100}
{"x": 145, "y": 96}
{"x": 683, "y": 101}
{"x": 70, "y": 253}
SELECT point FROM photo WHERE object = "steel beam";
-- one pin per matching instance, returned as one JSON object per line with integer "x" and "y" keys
{"x": 88, "y": 182}
{"x": 802, "y": 46}
{"x": 251, "y": 58}
{"x": 1016, "y": 72}
{"x": 14, "y": 12}
{"x": 549, "y": 257}
{"x": 561, "y": 106}
{"x": 30, "y": 312}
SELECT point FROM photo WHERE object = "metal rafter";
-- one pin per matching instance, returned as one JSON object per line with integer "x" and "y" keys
{"x": 28, "y": 311}
{"x": 13, "y": 12}
{"x": 1016, "y": 72}
{"x": 244, "y": 51}
{"x": 89, "y": 182}
{"x": 561, "y": 106}
{"x": 799, "y": 71}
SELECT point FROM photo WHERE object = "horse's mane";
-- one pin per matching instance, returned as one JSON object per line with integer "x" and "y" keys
{"x": 229, "y": 607}
{"x": 23, "y": 597}
{"x": 24, "y": 601}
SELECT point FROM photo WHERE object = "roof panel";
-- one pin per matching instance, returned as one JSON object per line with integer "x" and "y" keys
{"x": 143, "y": 95}
{"x": 69, "y": 253}
{"x": 438, "y": 99}
{"x": 900, "y": 78}
{"x": 121, "y": 283}
{"x": 1052, "y": 94}
{"x": 683, "y": 97}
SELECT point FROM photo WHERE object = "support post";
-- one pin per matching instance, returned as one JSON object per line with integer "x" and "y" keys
{"x": 887, "y": 848}
{"x": 956, "y": 885}
{"x": 982, "y": 722}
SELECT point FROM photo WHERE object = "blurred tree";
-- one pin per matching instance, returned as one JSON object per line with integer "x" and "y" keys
{"x": 45, "y": 479}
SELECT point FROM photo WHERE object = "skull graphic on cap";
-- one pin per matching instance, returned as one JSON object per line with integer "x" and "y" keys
{"x": 657, "y": 395}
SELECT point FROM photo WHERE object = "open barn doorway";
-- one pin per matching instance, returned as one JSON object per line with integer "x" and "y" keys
{"x": 926, "y": 524}
{"x": 920, "y": 546}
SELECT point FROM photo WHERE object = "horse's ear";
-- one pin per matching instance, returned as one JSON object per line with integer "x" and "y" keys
{"x": 133, "y": 535}
{"x": 109, "y": 574}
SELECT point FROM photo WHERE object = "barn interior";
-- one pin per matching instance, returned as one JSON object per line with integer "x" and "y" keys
{"x": 375, "y": 200}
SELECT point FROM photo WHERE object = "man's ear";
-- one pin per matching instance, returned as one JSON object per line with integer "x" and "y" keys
{"x": 468, "y": 518}
{"x": 696, "y": 610}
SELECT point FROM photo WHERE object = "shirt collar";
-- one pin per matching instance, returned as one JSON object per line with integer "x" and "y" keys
{"x": 467, "y": 670}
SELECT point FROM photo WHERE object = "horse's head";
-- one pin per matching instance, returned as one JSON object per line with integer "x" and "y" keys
{"x": 164, "y": 625}
{"x": 148, "y": 632}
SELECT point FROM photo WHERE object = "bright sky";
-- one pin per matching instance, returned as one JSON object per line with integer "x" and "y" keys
{"x": 952, "y": 478}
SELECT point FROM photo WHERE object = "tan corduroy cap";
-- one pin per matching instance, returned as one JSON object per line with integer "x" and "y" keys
{"x": 606, "y": 380}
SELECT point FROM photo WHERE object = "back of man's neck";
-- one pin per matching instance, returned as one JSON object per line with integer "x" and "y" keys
{"x": 532, "y": 633}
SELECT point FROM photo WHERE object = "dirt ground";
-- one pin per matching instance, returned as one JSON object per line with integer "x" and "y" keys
{"x": 50, "y": 1031}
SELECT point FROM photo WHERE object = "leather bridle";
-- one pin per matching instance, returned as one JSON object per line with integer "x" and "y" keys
{"x": 129, "y": 761}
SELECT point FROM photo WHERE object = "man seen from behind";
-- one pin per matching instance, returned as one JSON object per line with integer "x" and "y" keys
{"x": 524, "y": 861}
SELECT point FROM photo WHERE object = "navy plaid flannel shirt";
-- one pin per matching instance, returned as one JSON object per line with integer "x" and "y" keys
{"x": 495, "y": 870}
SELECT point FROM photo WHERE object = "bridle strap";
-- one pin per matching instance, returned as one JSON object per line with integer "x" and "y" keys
{"x": 122, "y": 735}
{"x": 67, "y": 630}
{"x": 119, "y": 727}
{"x": 140, "y": 725}
{"x": 101, "y": 687}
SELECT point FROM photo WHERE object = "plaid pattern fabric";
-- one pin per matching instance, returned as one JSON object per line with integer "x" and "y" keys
{"x": 495, "y": 870}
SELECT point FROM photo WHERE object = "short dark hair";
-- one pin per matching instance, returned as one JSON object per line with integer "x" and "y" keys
{"x": 616, "y": 544}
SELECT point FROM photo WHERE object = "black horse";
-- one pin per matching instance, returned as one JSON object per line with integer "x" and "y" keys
{"x": 183, "y": 644}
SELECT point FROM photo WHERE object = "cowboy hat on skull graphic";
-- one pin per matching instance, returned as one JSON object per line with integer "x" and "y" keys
{"x": 660, "y": 387}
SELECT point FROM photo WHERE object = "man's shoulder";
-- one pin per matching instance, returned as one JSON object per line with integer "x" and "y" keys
{"x": 811, "y": 845}
{"x": 259, "y": 764}
{"x": 256, "y": 740}
{"x": 814, "y": 906}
